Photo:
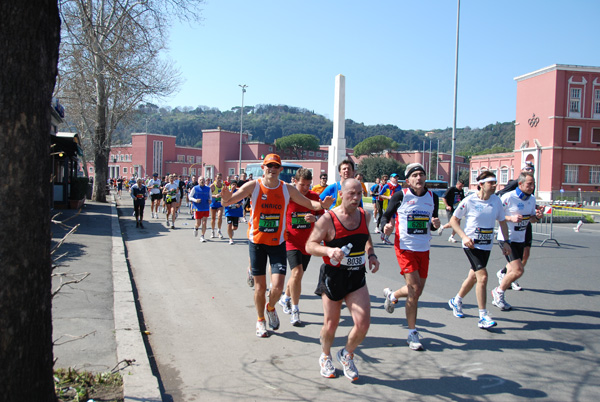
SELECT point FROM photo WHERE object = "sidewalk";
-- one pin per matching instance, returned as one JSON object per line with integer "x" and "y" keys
{"x": 95, "y": 323}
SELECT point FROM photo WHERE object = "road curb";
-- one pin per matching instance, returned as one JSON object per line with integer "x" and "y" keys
{"x": 139, "y": 384}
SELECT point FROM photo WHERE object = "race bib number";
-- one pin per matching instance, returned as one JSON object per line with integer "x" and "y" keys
{"x": 140, "y": 196}
{"x": 299, "y": 221}
{"x": 417, "y": 224}
{"x": 520, "y": 226}
{"x": 354, "y": 260}
{"x": 269, "y": 223}
{"x": 483, "y": 235}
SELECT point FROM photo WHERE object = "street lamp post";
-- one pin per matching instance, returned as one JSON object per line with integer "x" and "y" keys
{"x": 455, "y": 96}
{"x": 241, "y": 126}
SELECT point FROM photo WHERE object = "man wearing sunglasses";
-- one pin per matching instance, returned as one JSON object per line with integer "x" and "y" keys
{"x": 269, "y": 197}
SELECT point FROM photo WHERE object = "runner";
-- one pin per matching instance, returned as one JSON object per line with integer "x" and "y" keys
{"x": 189, "y": 186}
{"x": 480, "y": 211}
{"x": 386, "y": 193}
{"x": 266, "y": 232}
{"x": 246, "y": 204}
{"x": 382, "y": 182}
{"x": 417, "y": 214}
{"x": 452, "y": 197}
{"x": 233, "y": 212}
{"x": 520, "y": 210}
{"x": 139, "y": 193}
{"x": 374, "y": 190}
{"x": 299, "y": 226}
{"x": 200, "y": 199}
{"x": 170, "y": 191}
{"x": 342, "y": 275}
{"x": 155, "y": 194}
{"x": 120, "y": 181}
{"x": 510, "y": 186}
{"x": 360, "y": 178}
{"x": 216, "y": 209}
{"x": 322, "y": 184}
{"x": 346, "y": 170}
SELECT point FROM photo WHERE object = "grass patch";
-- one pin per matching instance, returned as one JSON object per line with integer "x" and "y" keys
{"x": 71, "y": 385}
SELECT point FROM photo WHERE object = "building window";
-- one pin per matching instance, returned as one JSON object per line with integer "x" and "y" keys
{"x": 319, "y": 154}
{"x": 185, "y": 171}
{"x": 91, "y": 169}
{"x": 575, "y": 93}
{"x": 596, "y": 135}
{"x": 571, "y": 173}
{"x": 474, "y": 175}
{"x": 574, "y": 134}
{"x": 270, "y": 149}
{"x": 157, "y": 157}
{"x": 575, "y": 102}
{"x": 192, "y": 171}
{"x": 190, "y": 159}
{"x": 311, "y": 153}
{"x": 124, "y": 170}
{"x": 180, "y": 158}
{"x": 231, "y": 171}
{"x": 503, "y": 175}
{"x": 198, "y": 159}
{"x": 594, "y": 174}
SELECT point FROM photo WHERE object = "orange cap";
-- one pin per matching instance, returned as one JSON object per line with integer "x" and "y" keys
{"x": 272, "y": 158}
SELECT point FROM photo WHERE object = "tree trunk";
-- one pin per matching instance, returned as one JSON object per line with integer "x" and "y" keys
{"x": 100, "y": 140}
{"x": 29, "y": 37}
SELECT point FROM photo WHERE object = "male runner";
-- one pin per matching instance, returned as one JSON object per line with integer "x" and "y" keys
{"x": 170, "y": 191}
{"x": 519, "y": 208}
{"x": 374, "y": 190}
{"x": 382, "y": 182}
{"x": 200, "y": 198}
{"x": 216, "y": 209}
{"x": 139, "y": 193}
{"x": 299, "y": 226}
{"x": 319, "y": 188}
{"x": 342, "y": 276}
{"x": 386, "y": 193}
{"x": 233, "y": 213}
{"x": 154, "y": 185}
{"x": 452, "y": 197}
{"x": 346, "y": 170}
{"x": 511, "y": 186}
{"x": 417, "y": 214}
{"x": 266, "y": 233}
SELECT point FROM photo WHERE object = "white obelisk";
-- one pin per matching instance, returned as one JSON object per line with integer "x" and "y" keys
{"x": 337, "y": 149}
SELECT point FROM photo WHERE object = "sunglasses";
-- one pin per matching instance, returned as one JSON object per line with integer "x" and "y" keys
{"x": 272, "y": 165}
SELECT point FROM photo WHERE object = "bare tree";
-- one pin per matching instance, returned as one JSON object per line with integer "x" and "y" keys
{"x": 110, "y": 63}
{"x": 29, "y": 38}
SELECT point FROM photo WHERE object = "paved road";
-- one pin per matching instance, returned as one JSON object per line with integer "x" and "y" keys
{"x": 201, "y": 317}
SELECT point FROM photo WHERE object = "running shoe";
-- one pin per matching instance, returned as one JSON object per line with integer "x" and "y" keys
{"x": 347, "y": 362}
{"x": 295, "y": 318}
{"x": 202, "y": 239}
{"x": 377, "y": 230}
{"x": 137, "y": 224}
{"x": 388, "y": 304}
{"x": 261, "y": 329}
{"x": 486, "y": 322}
{"x": 141, "y": 225}
{"x": 220, "y": 235}
{"x": 172, "y": 226}
{"x": 195, "y": 232}
{"x": 212, "y": 234}
{"x": 414, "y": 342}
{"x": 456, "y": 308}
{"x": 327, "y": 369}
{"x": 249, "y": 278}
{"x": 451, "y": 239}
{"x": 387, "y": 241}
{"x": 515, "y": 286}
{"x": 273, "y": 319}
{"x": 499, "y": 300}
{"x": 500, "y": 276}
{"x": 286, "y": 303}
{"x": 230, "y": 241}
{"x": 440, "y": 230}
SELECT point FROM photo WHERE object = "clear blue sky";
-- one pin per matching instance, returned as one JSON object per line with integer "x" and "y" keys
{"x": 397, "y": 56}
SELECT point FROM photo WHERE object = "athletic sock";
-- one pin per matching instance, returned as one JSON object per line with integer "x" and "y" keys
{"x": 295, "y": 307}
{"x": 457, "y": 299}
{"x": 269, "y": 308}
{"x": 411, "y": 331}
{"x": 482, "y": 312}
{"x": 392, "y": 298}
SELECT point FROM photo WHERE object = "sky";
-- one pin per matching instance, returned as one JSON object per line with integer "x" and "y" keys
{"x": 397, "y": 56}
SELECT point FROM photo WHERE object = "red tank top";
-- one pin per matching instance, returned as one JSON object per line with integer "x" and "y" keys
{"x": 358, "y": 237}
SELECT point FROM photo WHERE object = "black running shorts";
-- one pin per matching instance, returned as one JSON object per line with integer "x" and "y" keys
{"x": 337, "y": 283}
{"x": 478, "y": 258}
{"x": 295, "y": 258}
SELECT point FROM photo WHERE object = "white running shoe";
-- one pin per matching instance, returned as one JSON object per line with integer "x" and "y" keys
{"x": 414, "y": 342}
{"x": 261, "y": 329}
{"x": 327, "y": 369}
{"x": 388, "y": 304}
{"x": 499, "y": 300}
{"x": 451, "y": 239}
{"x": 230, "y": 241}
{"x": 486, "y": 322}
{"x": 212, "y": 234}
{"x": 220, "y": 235}
{"x": 286, "y": 303}
{"x": 249, "y": 278}
{"x": 273, "y": 319}
{"x": 500, "y": 276}
{"x": 202, "y": 239}
{"x": 515, "y": 286}
{"x": 347, "y": 361}
{"x": 440, "y": 230}
{"x": 295, "y": 318}
{"x": 377, "y": 230}
{"x": 456, "y": 308}
{"x": 195, "y": 232}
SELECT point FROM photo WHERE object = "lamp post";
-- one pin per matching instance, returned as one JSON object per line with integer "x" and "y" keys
{"x": 455, "y": 95}
{"x": 241, "y": 126}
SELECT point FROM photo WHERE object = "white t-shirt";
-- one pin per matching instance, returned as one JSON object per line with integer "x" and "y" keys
{"x": 480, "y": 218}
{"x": 153, "y": 186}
{"x": 513, "y": 205}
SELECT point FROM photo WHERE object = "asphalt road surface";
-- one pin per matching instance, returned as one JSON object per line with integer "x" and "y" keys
{"x": 201, "y": 318}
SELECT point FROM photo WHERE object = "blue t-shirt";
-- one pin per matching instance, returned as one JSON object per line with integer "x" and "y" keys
{"x": 332, "y": 190}
{"x": 201, "y": 193}
{"x": 235, "y": 210}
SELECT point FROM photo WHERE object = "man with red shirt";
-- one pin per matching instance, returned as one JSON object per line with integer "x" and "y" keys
{"x": 299, "y": 226}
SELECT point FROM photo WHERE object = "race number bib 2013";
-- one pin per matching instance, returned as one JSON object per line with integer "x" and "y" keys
{"x": 483, "y": 235}
{"x": 417, "y": 224}
{"x": 298, "y": 221}
{"x": 269, "y": 223}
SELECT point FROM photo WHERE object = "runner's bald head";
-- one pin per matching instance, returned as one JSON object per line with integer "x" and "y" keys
{"x": 349, "y": 183}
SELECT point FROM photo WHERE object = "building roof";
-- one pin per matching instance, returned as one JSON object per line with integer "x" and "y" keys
{"x": 564, "y": 67}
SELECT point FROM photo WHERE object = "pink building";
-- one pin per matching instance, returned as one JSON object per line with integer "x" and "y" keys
{"x": 557, "y": 127}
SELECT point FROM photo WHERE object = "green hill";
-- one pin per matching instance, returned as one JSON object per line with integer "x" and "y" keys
{"x": 269, "y": 122}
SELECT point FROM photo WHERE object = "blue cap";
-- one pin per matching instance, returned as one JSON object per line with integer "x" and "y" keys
{"x": 393, "y": 175}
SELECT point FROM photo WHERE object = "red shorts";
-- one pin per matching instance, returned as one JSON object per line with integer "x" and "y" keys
{"x": 411, "y": 261}
{"x": 200, "y": 214}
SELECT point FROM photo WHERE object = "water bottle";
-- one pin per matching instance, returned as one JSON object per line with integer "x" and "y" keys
{"x": 346, "y": 250}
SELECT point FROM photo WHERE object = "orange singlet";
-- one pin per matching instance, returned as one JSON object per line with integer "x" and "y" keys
{"x": 267, "y": 219}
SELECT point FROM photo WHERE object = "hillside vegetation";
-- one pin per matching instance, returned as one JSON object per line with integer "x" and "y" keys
{"x": 270, "y": 122}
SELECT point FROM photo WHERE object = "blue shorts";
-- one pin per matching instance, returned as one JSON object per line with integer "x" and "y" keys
{"x": 258, "y": 258}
